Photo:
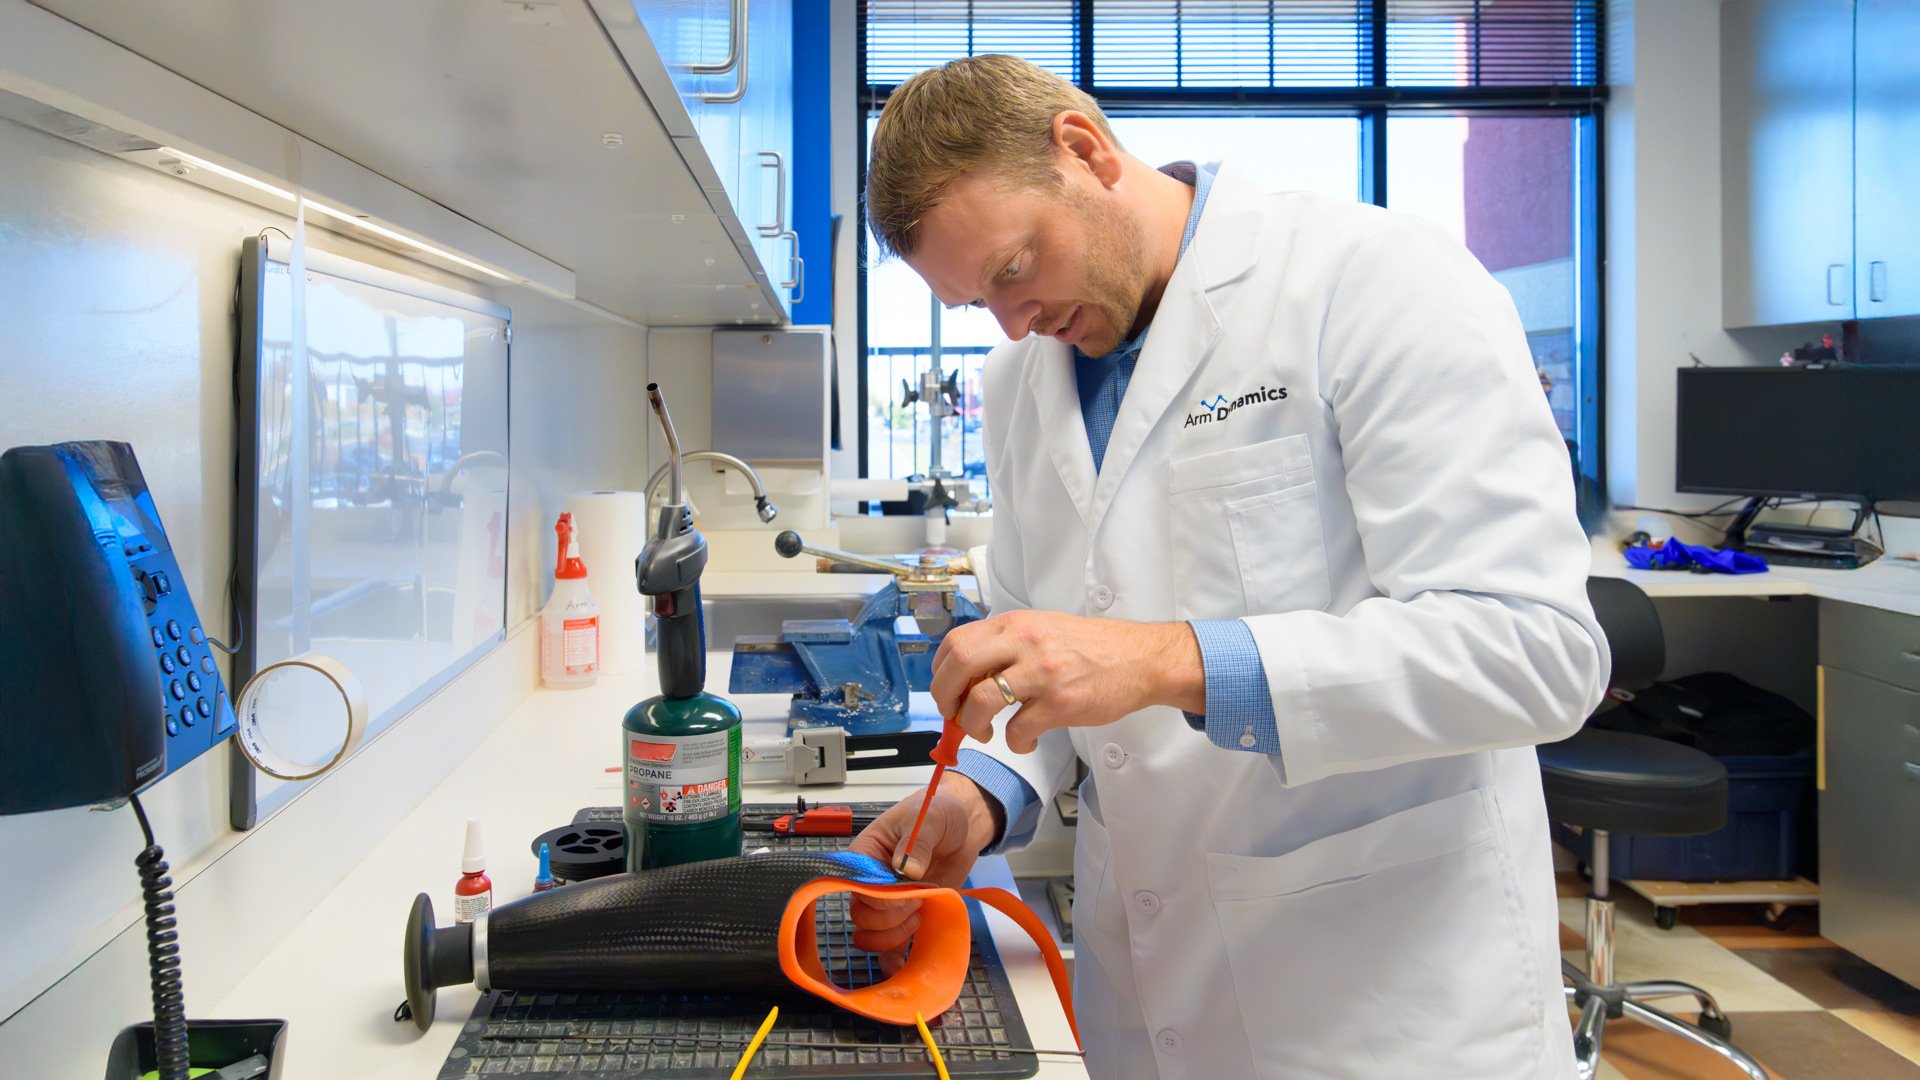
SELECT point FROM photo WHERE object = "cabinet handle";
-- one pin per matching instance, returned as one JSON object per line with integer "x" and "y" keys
{"x": 1836, "y": 283}
{"x": 735, "y": 39}
{"x": 736, "y": 59}
{"x": 799, "y": 266}
{"x": 1820, "y": 727}
{"x": 779, "y": 165}
{"x": 1877, "y": 282}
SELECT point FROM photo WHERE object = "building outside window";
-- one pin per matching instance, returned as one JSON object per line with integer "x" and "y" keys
{"x": 1479, "y": 115}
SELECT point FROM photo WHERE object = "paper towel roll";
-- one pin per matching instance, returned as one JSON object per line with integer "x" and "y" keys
{"x": 611, "y": 528}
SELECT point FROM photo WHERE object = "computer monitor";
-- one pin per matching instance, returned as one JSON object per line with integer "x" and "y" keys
{"x": 1836, "y": 433}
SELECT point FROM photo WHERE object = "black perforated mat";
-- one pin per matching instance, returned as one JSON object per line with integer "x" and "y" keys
{"x": 697, "y": 1037}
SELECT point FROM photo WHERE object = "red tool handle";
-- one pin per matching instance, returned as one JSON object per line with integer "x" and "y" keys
{"x": 947, "y": 751}
{"x": 819, "y": 821}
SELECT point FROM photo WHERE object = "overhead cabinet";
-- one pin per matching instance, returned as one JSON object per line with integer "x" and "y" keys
{"x": 555, "y": 125}
{"x": 1886, "y": 135}
{"x": 1820, "y": 128}
{"x": 729, "y": 66}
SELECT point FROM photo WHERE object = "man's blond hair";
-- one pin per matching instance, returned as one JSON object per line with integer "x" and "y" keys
{"x": 991, "y": 113}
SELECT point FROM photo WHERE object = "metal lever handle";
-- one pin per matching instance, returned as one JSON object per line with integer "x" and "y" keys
{"x": 779, "y": 226}
{"x": 789, "y": 544}
{"x": 736, "y": 59}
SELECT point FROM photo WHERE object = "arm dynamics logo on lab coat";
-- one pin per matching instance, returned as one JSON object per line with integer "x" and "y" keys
{"x": 1221, "y": 406}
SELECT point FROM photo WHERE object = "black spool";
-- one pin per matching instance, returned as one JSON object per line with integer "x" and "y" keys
{"x": 584, "y": 850}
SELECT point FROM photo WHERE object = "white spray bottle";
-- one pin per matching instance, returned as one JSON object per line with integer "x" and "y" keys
{"x": 570, "y": 623}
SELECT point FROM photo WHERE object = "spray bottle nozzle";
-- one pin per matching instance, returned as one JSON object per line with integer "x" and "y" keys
{"x": 568, "y": 564}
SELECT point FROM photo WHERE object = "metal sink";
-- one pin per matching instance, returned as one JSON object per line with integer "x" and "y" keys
{"x": 729, "y": 618}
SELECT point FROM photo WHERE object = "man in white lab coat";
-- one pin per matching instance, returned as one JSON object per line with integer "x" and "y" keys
{"x": 1284, "y": 549}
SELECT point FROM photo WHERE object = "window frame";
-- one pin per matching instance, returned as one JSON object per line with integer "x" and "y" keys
{"x": 1373, "y": 106}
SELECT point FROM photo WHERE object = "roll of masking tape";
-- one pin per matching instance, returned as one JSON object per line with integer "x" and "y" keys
{"x": 310, "y": 694}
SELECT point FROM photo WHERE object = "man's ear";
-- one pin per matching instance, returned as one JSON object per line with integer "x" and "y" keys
{"x": 1083, "y": 145}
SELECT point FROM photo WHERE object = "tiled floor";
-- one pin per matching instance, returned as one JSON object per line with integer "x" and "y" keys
{"x": 1804, "y": 1008}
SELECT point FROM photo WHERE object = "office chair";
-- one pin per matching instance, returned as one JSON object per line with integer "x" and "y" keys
{"x": 1609, "y": 781}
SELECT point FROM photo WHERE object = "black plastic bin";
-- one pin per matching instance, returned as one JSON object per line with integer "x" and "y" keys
{"x": 1766, "y": 743}
{"x": 1768, "y": 836}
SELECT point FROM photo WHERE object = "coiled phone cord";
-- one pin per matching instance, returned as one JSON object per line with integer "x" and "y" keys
{"x": 163, "y": 956}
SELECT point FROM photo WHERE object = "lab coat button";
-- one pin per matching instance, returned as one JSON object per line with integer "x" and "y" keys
{"x": 1147, "y": 902}
{"x": 1168, "y": 1040}
{"x": 1114, "y": 756}
{"x": 1102, "y": 597}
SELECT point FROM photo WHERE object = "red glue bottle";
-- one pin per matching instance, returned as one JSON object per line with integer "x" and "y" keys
{"x": 473, "y": 893}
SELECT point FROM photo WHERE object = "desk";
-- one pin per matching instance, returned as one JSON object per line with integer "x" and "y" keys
{"x": 1868, "y": 742}
{"x": 1882, "y": 584}
{"x": 337, "y": 975}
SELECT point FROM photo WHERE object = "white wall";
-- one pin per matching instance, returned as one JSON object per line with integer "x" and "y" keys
{"x": 117, "y": 293}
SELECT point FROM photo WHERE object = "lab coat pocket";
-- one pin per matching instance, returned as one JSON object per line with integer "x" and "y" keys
{"x": 1246, "y": 526}
{"x": 1282, "y": 556}
{"x": 1394, "y": 949}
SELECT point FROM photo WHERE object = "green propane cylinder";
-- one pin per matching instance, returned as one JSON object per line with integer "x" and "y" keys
{"x": 683, "y": 781}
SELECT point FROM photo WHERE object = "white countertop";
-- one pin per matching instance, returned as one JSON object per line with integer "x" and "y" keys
{"x": 336, "y": 977}
{"x": 1887, "y": 584}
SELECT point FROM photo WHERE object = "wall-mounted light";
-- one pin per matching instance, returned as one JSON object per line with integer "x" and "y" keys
{"x": 173, "y": 161}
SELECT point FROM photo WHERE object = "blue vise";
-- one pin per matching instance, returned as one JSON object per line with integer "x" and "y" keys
{"x": 854, "y": 674}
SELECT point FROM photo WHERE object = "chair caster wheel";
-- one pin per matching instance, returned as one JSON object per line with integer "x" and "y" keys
{"x": 1717, "y": 1025}
{"x": 1665, "y": 917}
{"x": 1776, "y": 917}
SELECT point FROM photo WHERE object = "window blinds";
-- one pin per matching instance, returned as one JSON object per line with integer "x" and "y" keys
{"x": 1251, "y": 44}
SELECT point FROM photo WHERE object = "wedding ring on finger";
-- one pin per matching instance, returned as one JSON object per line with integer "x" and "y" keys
{"x": 1006, "y": 691}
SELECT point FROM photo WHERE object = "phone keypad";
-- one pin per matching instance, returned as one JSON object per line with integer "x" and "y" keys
{"x": 190, "y": 683}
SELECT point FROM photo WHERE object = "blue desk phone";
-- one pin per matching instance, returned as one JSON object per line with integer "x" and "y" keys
{"x": 109, "y": 681}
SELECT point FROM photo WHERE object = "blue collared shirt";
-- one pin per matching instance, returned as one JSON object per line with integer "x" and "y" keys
{"x": 1239, "y": 705}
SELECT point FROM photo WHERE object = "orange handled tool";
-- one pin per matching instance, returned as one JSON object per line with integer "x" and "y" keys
{"x": 945, "y": 753}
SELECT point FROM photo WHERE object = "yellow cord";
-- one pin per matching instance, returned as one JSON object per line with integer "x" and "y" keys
{"x": 932, "y": 1050}
{"x": 760, "y": 1037}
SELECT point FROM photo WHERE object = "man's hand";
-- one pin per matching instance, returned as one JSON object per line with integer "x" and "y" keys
{"x": 1067, "y": 671}
{"x": 960, "y": 821}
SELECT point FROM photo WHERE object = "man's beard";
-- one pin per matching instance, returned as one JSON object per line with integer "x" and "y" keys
{"x": 1117, "y": 270}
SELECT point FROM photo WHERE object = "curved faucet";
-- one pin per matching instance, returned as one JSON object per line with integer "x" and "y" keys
{"x": 765, "y": 508}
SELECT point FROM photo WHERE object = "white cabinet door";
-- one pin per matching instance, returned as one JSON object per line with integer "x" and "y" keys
{"x": 1787, "y": 161}
{"x": 1887, "y": 159}
{"x": 766, "y": 148}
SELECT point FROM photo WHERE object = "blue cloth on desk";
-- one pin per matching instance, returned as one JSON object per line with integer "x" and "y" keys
{"x": 1674, "y": 555}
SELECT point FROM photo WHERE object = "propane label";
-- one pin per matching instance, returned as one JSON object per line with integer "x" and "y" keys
{"x": 685, "y": 779}
{"x": 580, "y": 645}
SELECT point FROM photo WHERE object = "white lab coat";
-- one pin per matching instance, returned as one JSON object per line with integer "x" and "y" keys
{"x": 1398, "y": 530}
